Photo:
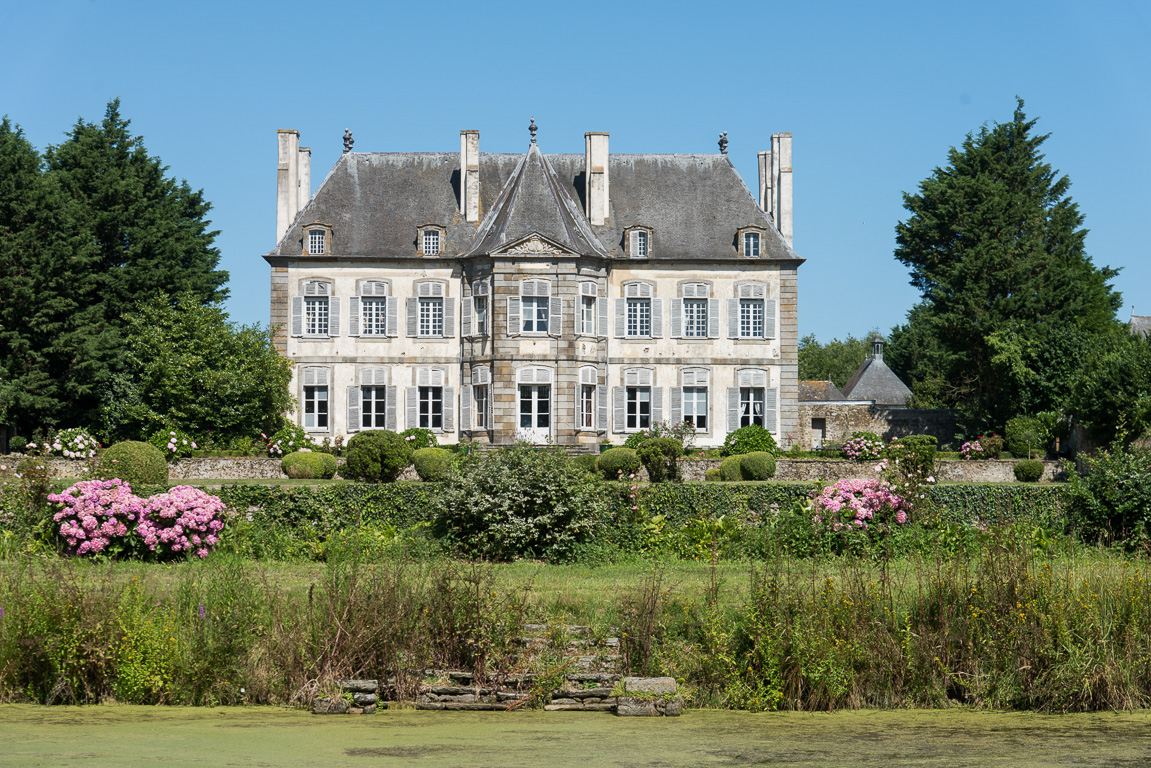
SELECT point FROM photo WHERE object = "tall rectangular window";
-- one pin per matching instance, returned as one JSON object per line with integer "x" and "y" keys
{"x": 587, "y": 406}
{"x": 316, "y": 316}
{"x": 641, "y": 243}
{"x": 751, "y": 244}
{"x": 639, "y": 317}
{"x": 315, "y": 407}
{"x": 751, "y": 402}
{"x": 695, "y": 407}
{"x": 695, "y": 318}
{"x": 751, "y": 318}
{"x": 535, "y": 314}
{"x": 431, "y": 317}
{"x": 374, "y": 317}
{"x": 373, "y": 407}
{"x": 638, "y": 408}
{"x": 431, "y": 241}
{"x": 316, "y": 238}
{"x": 481, "y": 305}
{"x": 587, "y": 315}
{"x": 431, "y": 407}
{"x": 480, "y": 393}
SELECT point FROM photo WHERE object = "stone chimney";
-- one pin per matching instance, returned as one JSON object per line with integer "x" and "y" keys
{"x": 287, "y": 181}
{"x": 781, "y": 184}
{"x": 470, "y": 175}
{"x": 596, "y": 188}
{"x": 305, "y": 178}
{"x": 765, "y": 200}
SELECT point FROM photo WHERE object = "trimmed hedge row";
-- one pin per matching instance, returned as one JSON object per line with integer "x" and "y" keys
{"x": 406, "y": 503}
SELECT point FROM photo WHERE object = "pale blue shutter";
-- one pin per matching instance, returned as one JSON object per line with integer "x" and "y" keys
{"x": 657, "y": 318}
{"x": 769, "y": 318}
{"x": 353, "y": 315}
{"x": 515, "y": 322}
{"x": 466, "y": 419}
{"x": 393, "y": 319}
{"x": 467, "y": 312}
{"x": 621, "y": 318}
{"x": 619, "y": 409}
{"x": 656, "y": 405}
{"x": 354, "y": 397}
{"x": 413, "y": 408}
{"x": 555, "y": 316}
{"x": 413, "y": 316}
{"x": 297, "y": 315}
{"x": 334, "y": 316}
{"x": 676, "y": 318}
{"x": 676, "y": 405}
{"x": 449, "y": 409}
{"x": 392, "y": 395}
{"x": 601, "y": 406}
{"x": 771, "y": 409}
{"x": 732, "y": 409}
{"x": 713, "y": 318}
{"x": 601, "y": 316}
{"x": 733, "y": 318}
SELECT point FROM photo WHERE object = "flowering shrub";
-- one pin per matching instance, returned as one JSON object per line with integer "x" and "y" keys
{"x": 182, "y": 521}
{"x": 290, "y": 439}
{"x": 173, "y": 443}
{"x": 863, "y": 446}
{"x": 972, "y": 450}
{"x": 858, "y": 505}
{"x": 73, "y": 443}
{"x": 96, "y": 515}
{"x": 418, "y": 439}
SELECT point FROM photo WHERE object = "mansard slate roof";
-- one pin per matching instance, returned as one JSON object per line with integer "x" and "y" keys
{"x": 815, "y": 391}
{"x": 375, "y": 201}
{"x": 873, "y": 380}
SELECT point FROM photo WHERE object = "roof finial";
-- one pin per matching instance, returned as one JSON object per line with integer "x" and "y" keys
{"x": 723, "y": 143}
{"x": 348, "y": 140}
{"x": 532, "y": 130}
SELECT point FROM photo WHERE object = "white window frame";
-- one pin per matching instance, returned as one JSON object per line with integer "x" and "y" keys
{"x": 749, "y": 397}
{"x": 752, "y": 241}
{"x": 430, "y": 244}
{"x": 430, "y": 406}
{"x": 482, "y": 315}
{"x": 480, "y": 395}
{"x": 694, "y": 395}
{"x": 638, "y": 242}
{"x": 317, "y": 241}
{"x": 695, "y": 319}
{"x": 314, "y": 397}
{"x": 379, "y": 410}
{"x": 373, "y": 315}
{"x": 635, "y": 400}
{"x": 534, "y": 315}
{"x": 431, "y": 316}
{"x": 751, "y": 318}
{"x": 317, "y": 317}
{"x": 638, "y": 318}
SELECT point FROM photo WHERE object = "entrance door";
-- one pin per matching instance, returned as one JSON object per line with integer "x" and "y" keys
{"x": 535, "y": 413}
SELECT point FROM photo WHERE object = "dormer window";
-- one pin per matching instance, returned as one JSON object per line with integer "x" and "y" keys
{"x": 638, "y": 240}
{"x": 431, "y": 240}
{"x": 750, "y": 242}
{"x": 316, "y": 238}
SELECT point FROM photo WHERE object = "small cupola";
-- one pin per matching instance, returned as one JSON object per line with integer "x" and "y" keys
{"x": 877, "y": 343}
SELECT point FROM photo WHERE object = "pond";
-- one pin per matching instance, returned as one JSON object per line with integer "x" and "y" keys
{"x": 266, "y": 736}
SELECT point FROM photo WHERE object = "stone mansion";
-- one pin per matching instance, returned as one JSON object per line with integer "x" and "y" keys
{"x": 568, "y": 299}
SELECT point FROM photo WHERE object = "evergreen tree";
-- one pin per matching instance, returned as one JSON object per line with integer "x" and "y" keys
{"x": 86, "y": 233}
{"x": 834, "y": 361}
{"x": 996, "y": 246}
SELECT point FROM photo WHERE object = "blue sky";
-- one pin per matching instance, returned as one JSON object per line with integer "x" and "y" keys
{"x": 874, "y": 93}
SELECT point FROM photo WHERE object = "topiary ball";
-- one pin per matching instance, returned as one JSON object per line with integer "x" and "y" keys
{"x": 757, "y": 465}
{"x": 433, "y": 465}
{"x": 377, "y": 456}
{"x": 304, "y": 465}
{"x": 1028, "y": 471}
{"x": 586, "y": 462}
{"x": 329, "y": 466}
{"x": 133, "y": 462}
{"x": 618, "y": 463}
{"x": 713, "y": 474}
{"x": 730, "y": 470}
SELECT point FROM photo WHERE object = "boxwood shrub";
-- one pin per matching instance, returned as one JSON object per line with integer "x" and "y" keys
{"x": 757, "y": 465}
{"x": 618, "y": 463}
{"x": 377, "y": 456}
{"x": 309, "y": 465}
{"x": 433, "y": 465}
{"x": 134, "y": 462}
{"x": 1028, "y": 471}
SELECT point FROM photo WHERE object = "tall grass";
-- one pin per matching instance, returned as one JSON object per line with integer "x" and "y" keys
{"x": 1011, "y": 623}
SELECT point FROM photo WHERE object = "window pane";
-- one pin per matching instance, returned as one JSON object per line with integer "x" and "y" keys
{"x": 695, "y": 318}
{"x": 751, "y": 318}
{"x": 587, "y": 406}
{"x": 373, "y": 411}
{"x": 695, "y": 407}
{"x": 316, "y": 241}
{"x": 639, "y": 317}
{"x": 481, "y": 406}
{"x": 431, "y": 317}
{"x": 431, "y": 407}
{"x": 315, "y": 316}
{"x": 481, "y": 304}
{"x": 587, "y": 317}
{"x": 751, "y": 244}
{"x": 535, "y": 314}
{"x": 431, "y": 241}
{"x": 374, "y": 317}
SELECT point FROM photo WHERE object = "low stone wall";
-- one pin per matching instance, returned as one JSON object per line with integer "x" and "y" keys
{"x": 833, "y": 470}
{"x": 691, "y": 470}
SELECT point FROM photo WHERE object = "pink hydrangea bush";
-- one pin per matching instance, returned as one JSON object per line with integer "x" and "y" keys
{"x": 863, "y": 447}
{"x": 97, "y": 515}
{"x": 184, "y": 520}
{"x": 972, "y": 451}
{"x": 858, "y": 505}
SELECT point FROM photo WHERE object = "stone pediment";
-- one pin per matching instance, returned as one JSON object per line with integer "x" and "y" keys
{"x": 535, "y": 244}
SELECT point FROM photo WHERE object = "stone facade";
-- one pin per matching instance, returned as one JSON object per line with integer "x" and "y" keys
{"x": 840, "y": 418}
{"x": 615, "y": 247}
